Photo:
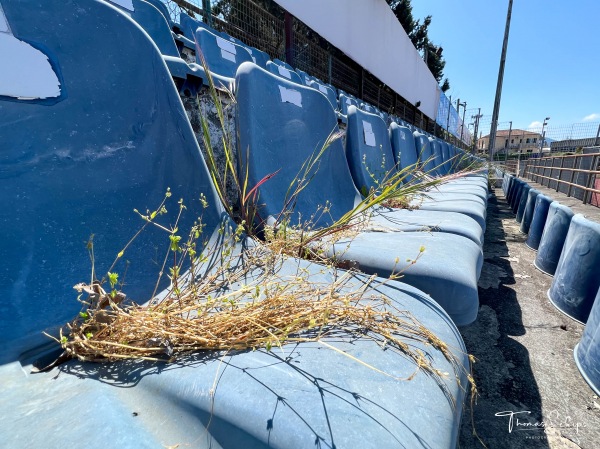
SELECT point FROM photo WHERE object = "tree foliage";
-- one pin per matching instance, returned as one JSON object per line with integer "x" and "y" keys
{"x": 417, "y": 31}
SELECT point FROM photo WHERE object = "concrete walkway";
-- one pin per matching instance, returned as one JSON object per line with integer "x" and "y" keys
{"x": 524, "y": 350}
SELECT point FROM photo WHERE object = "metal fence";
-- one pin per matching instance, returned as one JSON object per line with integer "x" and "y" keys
{"x": 575, "y": 175}
{"x": 264, "y": 25}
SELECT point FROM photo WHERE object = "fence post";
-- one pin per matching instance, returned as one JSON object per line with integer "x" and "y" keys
{"x": 288, "y": 29}
{"x": 572, "y": 176}
{"x": 587, "y": 195}
{"x": 562, "y": 163}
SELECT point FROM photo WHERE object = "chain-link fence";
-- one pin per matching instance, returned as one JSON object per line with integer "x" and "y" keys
{"x": 262, "y": 24}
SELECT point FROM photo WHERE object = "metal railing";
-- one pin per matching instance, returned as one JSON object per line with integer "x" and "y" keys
{"x": 574, "y": 175}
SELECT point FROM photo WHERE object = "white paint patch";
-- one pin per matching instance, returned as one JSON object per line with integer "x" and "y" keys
{"x": 127, "y": 4}
{"x": 26, "y": 72}
{"x": 284, "y": 72}
{"x": 368, "y": 134}
{"x": 226, "y": 45}
{"x": 323, "y": 89}
{"x": 290, "y": 96}
{"x": 226, "y": 55}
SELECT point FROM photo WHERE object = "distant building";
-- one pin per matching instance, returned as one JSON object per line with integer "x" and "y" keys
{"x": 527, "y": 141}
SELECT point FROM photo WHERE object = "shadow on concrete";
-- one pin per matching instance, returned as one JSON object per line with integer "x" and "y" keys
{"x": 502, "y": 371}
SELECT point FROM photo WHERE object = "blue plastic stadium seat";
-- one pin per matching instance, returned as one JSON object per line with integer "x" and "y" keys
{"x": 281, "y": 125}
{"x": 345, "y": 102}
{"x": 328, "y": 92}
{"x": 524, "y": 196}
{"x": 371, "y": 160}
{"x": 587, "y": 351}
{"x": 284, "y": 70}
{"x": 553, "y": 237}
{"x": 114, "y": 140}
{"x": 258, "y": 56}
{"x": 153, "y": 21}
{"x": 540, "y": 214}
{"x": 529, "y": 210}
{"x": 405, "y": 155}
{"x": 305, "y": 77}
{"x": 577, "y": 277}
{"x": 222, "y": 57}
{"x": 189, "y": 26}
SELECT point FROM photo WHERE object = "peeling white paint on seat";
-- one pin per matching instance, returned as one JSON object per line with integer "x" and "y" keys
{"x": 26, "y": 72}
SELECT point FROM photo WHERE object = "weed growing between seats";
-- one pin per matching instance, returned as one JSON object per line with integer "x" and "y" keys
{"x": 221, "y": 299}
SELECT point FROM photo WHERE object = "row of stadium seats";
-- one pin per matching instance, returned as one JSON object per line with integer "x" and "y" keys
{"x": 116, "y": 137}
{"x": 568, "y": 249}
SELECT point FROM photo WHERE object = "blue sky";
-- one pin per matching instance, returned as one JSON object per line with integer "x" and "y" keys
{"x": 552, "y": 65}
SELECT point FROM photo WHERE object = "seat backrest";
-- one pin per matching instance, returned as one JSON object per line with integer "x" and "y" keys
{"x": 403, "y": 147}
{"x": 222, "y": 56}
{"x": 115, "y": 139}
{"x": 328, "y": 92}
{"x": 259, "y": 57}
{"x": 368, "y": 150}
{"x": 305, "y": 77}
{"x": 162, "y": 7}
{"x": 152, "y": 20}
{"x": 189, "y": 25}
{"x": 424, "y": 152}
{"x": 446, "y": 168}
{"x": 438, "y": 157}
{"x": 345, "y": 102}
{"x": 281, "y": 125}
{"x": 284, "y": 70}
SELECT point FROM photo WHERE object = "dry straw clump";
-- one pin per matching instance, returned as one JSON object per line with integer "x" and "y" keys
{"x": 250, "y": 299}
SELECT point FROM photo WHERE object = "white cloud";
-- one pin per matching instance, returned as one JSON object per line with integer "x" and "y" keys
{"x": 591, "y": 117}
{"x": 534, "y": 125}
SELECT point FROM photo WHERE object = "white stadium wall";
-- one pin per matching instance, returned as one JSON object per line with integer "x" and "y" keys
{"x": 369, "y": 33}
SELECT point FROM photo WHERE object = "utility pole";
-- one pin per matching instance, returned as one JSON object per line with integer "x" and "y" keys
{"x": 448, "y": 119}
{"x": 462, "y": 125}
{"x": 477, "y": 117}
{"x": 496, "y": 111}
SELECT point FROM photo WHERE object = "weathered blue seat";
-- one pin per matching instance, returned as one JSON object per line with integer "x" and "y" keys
{"x": 189, "y": 25}
{"x": 284, "y": 70}
{"x": 553, "y": 237}
{"x": 305, "y": 77}
{"x": 524, "y": 196}
{"x": 516, "y": 197}
{"x": 114, "y": 139}
{"x": 371, "y": 159}
{"x": 328, "y": 92}
{"x": 577, "y": 276}
{"x": 258, "y": 56}
{"x": 345, "y": 102}
{"x": 153, "y": 21}
{"x": 222, "y": 57}
{"x": 281, "y": 125}
{"x": 405, "y": 156}
{"x": 540, "y": 213}
{"x": 587, "y": 351}
{"x": 528, "y": 211}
